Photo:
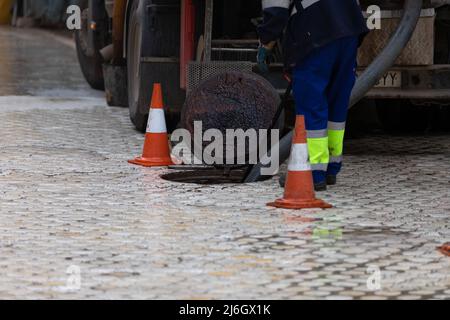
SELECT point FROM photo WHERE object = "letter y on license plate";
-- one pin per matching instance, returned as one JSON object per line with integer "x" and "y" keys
{"x": 391, "y": 79}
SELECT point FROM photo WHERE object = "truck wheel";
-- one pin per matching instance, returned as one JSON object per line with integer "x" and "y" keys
{"x": 153, "y": 34}
{"x": 91, "y": 65}
{"x": 136, "y": 96}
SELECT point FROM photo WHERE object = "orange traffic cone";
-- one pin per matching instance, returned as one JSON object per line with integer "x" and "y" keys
{"x": 156, "y": 146}
{"x": 299, "y": 188}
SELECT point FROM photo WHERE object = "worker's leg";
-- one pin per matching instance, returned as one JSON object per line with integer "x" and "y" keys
{"x": 339, "y": 91}
{"x": 310, "y": 82}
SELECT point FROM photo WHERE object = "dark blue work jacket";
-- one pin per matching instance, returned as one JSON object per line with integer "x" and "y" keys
{"x": 309, "y": 24}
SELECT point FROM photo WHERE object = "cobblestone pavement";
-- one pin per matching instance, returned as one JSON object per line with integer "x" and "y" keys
{"x": 71, "y": 205}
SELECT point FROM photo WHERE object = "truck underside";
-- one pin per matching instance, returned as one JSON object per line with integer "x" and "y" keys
{"x": 179, "y": 43}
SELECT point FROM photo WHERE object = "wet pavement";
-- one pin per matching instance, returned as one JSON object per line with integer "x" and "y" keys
{"x": 77, "y": 221}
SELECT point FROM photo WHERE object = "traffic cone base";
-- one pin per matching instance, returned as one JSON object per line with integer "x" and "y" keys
{"x": 153, "y": 162}
{"x": 300, "y": 204}
{"x": 155, "y": 145}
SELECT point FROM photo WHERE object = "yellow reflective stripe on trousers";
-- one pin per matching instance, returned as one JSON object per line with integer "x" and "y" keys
{"x": 318, "y": 153}
{"x": 336, "y": 142}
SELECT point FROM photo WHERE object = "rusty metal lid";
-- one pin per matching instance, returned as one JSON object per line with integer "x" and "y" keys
{"x": 231, "y": 100}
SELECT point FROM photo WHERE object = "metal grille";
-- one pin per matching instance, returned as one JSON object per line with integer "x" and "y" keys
{"x": 199, "y": 71}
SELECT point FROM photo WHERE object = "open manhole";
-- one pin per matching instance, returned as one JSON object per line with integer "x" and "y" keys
{"x": 206, "y": 175}
{"x": 239, "y": 108}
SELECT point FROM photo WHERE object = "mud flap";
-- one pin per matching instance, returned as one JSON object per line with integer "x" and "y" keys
{"x": 116, "y": 89}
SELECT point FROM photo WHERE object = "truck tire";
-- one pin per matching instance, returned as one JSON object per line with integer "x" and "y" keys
{"x": 153, "y": 34}
{"x": 91, "y": 65}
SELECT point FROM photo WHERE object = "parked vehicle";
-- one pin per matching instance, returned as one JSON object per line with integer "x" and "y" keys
{"x": 181, "y": 42}
{"x": 44, "y": 12}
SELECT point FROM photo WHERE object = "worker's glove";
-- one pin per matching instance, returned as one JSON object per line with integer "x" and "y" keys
{"x": 263, "y": 58}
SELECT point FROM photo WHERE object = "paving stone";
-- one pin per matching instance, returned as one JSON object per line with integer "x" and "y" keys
{"x": 69, "y": 202}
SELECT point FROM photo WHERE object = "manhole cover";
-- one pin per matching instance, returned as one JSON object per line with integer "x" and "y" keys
{"x": 231, "y": 102}
{"x": 205, "y": 177}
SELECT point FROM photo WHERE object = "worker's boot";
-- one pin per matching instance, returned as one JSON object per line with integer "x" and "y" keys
{"x": 320, "y": 186}
{"x": 331, "y": 180}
